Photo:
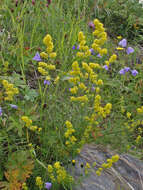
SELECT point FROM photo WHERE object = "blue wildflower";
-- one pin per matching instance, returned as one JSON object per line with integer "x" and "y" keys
{"x": 73, "y": 47}
{"x": 134, "y": 72}
{"x": 105, "y": 67}
{"x": 99, "y": 56}
{"x": 122, "y": 72}
{"x": 0, "y": 111}
{"x": 37, "y": 57}
{"x": 13, "y": 106}
{"x": 48, "y": 185}
{"x": 126, "y": 69}
{"x": 47, "y": 82}
{"x": 123, "y": 43}
{"x": 92, "y": 51}
{"x": 129, "y": 50}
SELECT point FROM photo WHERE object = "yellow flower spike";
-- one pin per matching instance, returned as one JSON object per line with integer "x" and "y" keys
{"x": 100, "y": 169}
{"x": 138, "y": 138}
{"x": 48, "y": 78}
{"x": 119, "y": 37}
{"x": 115, "y": 158}
{"x": 73, "y": 161}
{"x": 42, "y": 64}
{"x": 99, "y": 82}
{"x": 113, "y": 58}
{"x": 57, "y": 165}
{"x": 74, "y": 90}
{"x": 47, "y": 39}
{"x": 52, "y": 55}
{"x": 87, "y": 165}
{"x": 50, "y": 168}
{"x": 80, "y": 54}
{"x": 56, "y": 80}
{"x": 120, "y": 48}
{"x": 104, "y": 165}
{"x": 98, "y": 172}
{"x": 81, "y": 36}
{"x": 44, "y": 55}
{"x": 39, "y": 182}
{"x": 129, "y": 115}
{"x": 51, "y": 67}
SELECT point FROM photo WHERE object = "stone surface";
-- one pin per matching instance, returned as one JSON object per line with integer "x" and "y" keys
{"x": 126, "y": 174}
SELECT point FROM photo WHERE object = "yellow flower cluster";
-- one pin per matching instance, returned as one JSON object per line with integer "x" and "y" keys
{"x": 109, "y": 163}
{"x": 59, "y": 174}
{"x": 140, "y": 110}
{"x": 69, "y": 134}
{"x": 48, "y": 42}
{"x": 138, "y": 139}
{"x": 5, "y": 67}
{"x": 101, "y": 111}
{"x": 132, "y": 125}
{"x": 78, "y": 75}
{"x": 101, "y": 38}
{"x": 83, "y": 99}
{"x": 112, "y": 59}
{"x": 28, "y": 123}
{"x": 44, "y": 68}
{"x": 84, "y": 49}
{"x": 39, "y": 182}
{"x": 128, "y": 115}
{"x": 10, "y": 91}
{"x": 24, "y": 186}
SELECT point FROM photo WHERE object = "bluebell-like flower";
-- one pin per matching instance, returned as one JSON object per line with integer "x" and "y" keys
{"x": 99, "y": 56}
{"x": 92, "y": 51}
{"x": 77, "y": 48}
{"x": 129, "y": 50}
{"x": 126, "y": 69}
{"x": 48, "y": 185}
{"x": 122, "y": 72}
{"x": 134, "y": 72}
{"x": 37, "y": 57}
{"x": 0, "y": 111}
{"x": 123, "y": 43}
{"x": 73, "y": 47}
{"x": 92, "y": 88}
{"x": 91, "y": 25}
{"x": 13, "y": 106}
{"x": 105, "y": 67}
{"x": 47, "y": 82}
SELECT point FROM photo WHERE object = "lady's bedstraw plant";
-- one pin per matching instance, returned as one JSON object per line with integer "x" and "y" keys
{"x": 9, "y": 90}
{"x": 59, "y": 175}
{"x": 85, "y": 86}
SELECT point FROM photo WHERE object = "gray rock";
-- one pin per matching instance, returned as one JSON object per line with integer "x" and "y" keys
{"x": 126, "y": 174}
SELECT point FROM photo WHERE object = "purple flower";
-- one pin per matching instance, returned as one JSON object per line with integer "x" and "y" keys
{"x": 129, "y": 50}
{"x": 126, "y": 69}
{"x": 99, "y": 56}
{"x": 48, "y": 185}
{"x": 91, "y": 25}
{"x": 92, "y": 88}
{"x": 47, "y": 82}
{"x": 92, "y": 51}
{"x": 134, "y": 72}
{"x": 73, "y": 47}
{"x": 0, "y": 111}
{"x": 122, "y": 72}
{"x": 123, "y": 43}
{"x": 77, "y": 47}
{"x": 105, "y": 67}
{"x": 37, "y": 57}
{"x": 13, "y": 106}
